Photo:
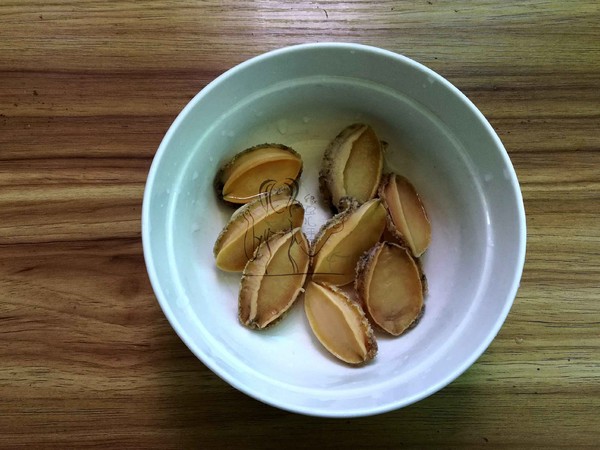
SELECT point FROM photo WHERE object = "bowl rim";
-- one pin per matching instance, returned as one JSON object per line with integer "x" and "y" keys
{"x": 273, "y": 401}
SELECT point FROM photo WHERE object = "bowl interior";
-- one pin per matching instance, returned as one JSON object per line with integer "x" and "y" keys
{"x": 302, "y": 97}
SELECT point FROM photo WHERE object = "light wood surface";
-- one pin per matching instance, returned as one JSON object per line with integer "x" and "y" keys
{"x": 88, "y": 89}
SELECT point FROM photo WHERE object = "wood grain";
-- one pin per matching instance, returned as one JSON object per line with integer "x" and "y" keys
{"x": 88, "y": 89}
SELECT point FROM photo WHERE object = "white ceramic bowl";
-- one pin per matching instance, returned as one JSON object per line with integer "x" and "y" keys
{"x": 302, "y": 96}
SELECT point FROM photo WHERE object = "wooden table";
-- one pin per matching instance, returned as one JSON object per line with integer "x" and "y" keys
{"x": 87, "y": 90}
